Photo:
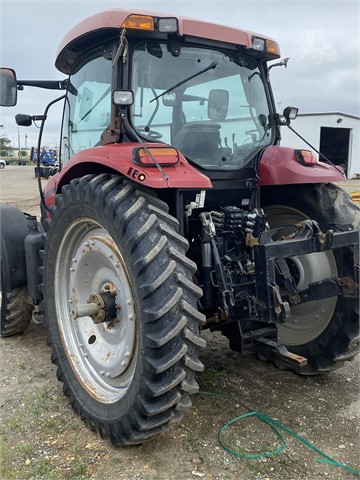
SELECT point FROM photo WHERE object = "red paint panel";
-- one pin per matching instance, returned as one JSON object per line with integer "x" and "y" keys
{"x": 113, "y": 19}
{"x": 278, "y": 166}
{"x": 119, "y": 157}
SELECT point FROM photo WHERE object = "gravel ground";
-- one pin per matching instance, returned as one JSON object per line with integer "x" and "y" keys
{"x": 41, "y": 437}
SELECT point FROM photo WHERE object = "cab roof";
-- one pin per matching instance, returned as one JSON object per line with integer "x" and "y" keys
{"x": 104, "y": 26}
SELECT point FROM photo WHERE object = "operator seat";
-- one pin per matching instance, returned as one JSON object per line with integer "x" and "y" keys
{"x": 199, "y": 141}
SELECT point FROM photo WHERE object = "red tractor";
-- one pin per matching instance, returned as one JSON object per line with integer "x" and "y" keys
{"x": 175, "y": 210}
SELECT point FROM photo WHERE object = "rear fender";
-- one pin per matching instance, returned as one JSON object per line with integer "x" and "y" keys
{"x": 279, "y": 166}
{"x": 118, "y": 158}
{"x": 13, "y": 230}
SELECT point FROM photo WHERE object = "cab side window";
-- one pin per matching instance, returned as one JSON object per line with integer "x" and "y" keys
{"x": 87, "y": 107}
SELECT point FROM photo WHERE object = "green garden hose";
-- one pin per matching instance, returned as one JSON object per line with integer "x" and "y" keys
{"x": 275, "y": 427}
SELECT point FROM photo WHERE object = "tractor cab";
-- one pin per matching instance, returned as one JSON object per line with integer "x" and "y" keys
{"x": 159, "y": 80}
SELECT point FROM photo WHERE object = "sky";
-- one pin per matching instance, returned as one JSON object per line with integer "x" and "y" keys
{"x": 321, "y": 38}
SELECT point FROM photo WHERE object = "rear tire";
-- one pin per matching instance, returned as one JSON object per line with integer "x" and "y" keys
{"x": 327, "y": 331}
{"x": 129, "y": 379}
{"x": 15, "y": 313}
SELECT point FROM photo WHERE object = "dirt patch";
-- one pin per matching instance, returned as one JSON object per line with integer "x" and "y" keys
{"x": 41, "y": 437}
{"x": 19, "y": 186}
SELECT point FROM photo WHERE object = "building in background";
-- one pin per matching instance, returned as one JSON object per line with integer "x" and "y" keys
{"x": 336, "y": 135}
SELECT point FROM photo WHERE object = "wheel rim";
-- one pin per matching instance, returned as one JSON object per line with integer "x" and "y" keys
{"x": 309, "y": 320}
{"x": 102, "y": 355}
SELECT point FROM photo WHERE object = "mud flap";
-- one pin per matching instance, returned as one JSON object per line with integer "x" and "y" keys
{"x": 13, "y": 230}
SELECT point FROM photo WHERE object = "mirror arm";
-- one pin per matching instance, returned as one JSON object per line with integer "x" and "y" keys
{"x": 282, "y": 63}
{"x": 41, "y": 193}
{"x": 49, "y": 84}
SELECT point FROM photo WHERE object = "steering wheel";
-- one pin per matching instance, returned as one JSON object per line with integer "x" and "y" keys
{"x": 151, "y": 133}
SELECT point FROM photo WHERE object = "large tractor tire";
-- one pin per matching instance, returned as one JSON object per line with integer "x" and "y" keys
{"x": 129, "y": 367}
{"x": 326, "y": 332}
{"x": 15, "y": 311}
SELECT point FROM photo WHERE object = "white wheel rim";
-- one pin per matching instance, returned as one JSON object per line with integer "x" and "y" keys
{"x": 103, "y": 357}
{"x": 310, "y": 319}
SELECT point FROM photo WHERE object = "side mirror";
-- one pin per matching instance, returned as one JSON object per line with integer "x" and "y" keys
{"x": 23, "y": 120}
{"x": 218, "y": 104}
{"x": 263, "y": 122}
{"x": 8, "y": 87}
{"x": 290, "y": 113}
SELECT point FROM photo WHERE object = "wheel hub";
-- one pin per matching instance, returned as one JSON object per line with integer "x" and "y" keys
{"x": 100, "y": 307}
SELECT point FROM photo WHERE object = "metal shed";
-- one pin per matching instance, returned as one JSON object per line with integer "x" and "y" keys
{"x": 336, "y": 135}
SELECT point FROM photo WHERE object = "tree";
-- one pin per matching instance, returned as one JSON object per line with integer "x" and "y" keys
{"x": 4, "y": 143}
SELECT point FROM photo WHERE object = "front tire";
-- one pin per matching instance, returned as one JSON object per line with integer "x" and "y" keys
{"x": 128, "y": 376}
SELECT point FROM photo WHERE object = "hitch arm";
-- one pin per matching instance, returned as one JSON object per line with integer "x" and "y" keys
{"x": 224, "y": 287}
{"x": 223, "y": 284}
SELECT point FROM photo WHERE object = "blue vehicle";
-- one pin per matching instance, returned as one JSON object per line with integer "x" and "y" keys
{"x": 48, "y": 158}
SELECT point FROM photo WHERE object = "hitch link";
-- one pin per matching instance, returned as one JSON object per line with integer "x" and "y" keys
{"x": 224, "y": 286}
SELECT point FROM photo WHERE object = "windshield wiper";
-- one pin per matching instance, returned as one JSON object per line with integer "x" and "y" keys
{"x": 108, "y": 90}
{"x": 209, "y": 67}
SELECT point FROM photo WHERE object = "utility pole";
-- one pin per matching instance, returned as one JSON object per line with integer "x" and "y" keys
{"x": 18, "y": 143}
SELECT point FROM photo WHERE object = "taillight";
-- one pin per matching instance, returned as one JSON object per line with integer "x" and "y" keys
{"x": 150, "y": 156}
{"x": 305, "y": 157}
{"x": 139, "y": 22}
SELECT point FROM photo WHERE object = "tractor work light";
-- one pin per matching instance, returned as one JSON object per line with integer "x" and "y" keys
{"x": 259, "y": 44}
{"x": 305, "y": 157}
{"x": 290, "y": 113}
{"x": 164, "y": 156}
{"x": 123, "y": 97}
{"x": 167, "y": 25}
{"x": 139, "y": 22}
